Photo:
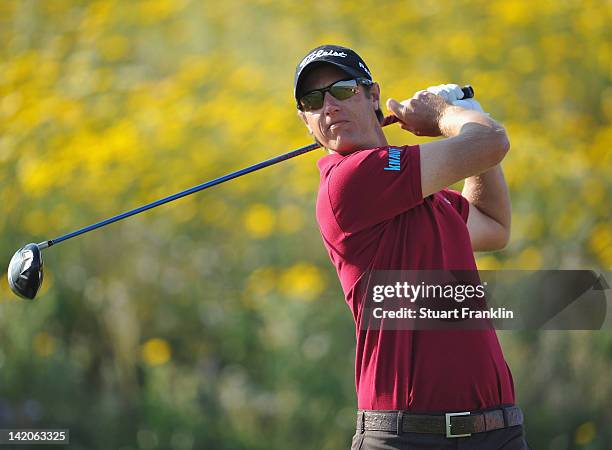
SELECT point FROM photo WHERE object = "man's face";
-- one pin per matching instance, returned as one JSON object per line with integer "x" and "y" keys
{"x": 343, "y": 126}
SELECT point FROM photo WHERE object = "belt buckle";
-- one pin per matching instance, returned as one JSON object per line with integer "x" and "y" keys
{"x": 449, "y": 433}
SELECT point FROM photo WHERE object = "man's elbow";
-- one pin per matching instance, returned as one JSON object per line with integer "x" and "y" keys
{"x": 499, "y": 143}
{"x": 501, "y": 239}
{"x": 504, "y": 239}
{"x": 497, "y": 238}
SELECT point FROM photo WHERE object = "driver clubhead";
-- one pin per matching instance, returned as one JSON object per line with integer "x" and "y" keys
{"x": 25, "y": 271}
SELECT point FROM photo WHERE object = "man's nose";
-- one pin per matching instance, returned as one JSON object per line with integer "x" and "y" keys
{"x": 330, "y": 104}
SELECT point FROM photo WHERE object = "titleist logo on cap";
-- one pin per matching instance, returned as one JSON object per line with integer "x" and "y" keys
{"x": 320, "y": 53}
{"x": 365, "y": 69}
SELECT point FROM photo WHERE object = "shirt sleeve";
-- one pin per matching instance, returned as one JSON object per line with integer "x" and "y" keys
{"x": 458, "y": 201}
{"x": 371, "y": 186}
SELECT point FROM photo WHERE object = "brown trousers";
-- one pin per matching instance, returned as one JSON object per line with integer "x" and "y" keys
{"x": 512, "y": 438}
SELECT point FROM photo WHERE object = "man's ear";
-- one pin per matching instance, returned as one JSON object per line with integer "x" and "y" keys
{"x": 303, "y": 117}
{"x": 375, "y": 95}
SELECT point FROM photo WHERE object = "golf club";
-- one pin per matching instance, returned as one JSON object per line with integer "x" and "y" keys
{"x": 25, "y": 271}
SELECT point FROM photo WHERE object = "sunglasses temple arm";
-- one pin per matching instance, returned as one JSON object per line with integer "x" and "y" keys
{"x": 468, "y": 92}
{"x": 388, "y": 120}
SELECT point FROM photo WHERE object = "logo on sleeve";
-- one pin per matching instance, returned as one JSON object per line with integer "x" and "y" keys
{"x": 394, "y": 159}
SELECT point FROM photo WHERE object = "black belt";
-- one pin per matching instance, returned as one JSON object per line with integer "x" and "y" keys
{"x": 456, "y": 424}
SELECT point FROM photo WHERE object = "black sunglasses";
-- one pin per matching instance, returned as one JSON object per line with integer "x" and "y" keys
{"x": 340, "y": 90}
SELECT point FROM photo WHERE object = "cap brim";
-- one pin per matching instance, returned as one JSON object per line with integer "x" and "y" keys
{"x": 313, "y": 65}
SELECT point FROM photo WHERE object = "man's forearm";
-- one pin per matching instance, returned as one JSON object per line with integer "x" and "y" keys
{"x": 480, "y": 139}
{"x": 453, "y": 120}
{"x": 488, "y": 192}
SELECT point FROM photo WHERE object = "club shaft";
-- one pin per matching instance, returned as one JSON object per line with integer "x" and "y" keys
{"x": 199, "y": 187}
{"x": 467, "y": 91}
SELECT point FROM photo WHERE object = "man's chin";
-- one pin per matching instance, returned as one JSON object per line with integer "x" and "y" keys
{"x": 343, "y": 147}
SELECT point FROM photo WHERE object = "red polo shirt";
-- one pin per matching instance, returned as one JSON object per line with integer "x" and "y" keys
{"x": 372, "y": 216}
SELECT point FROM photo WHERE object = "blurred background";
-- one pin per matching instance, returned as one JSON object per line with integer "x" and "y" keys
{"x": 217, "y": 321}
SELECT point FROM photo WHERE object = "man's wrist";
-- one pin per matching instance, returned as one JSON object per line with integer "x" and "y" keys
{"x": 453, "y": 118}
{"x": 446, "y": 121}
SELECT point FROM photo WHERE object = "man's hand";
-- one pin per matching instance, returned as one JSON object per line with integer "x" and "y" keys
{"x": 421, "y": 114}
{"x": 453, "y": 94}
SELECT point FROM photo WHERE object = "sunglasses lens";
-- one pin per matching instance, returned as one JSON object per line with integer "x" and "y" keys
{"x": 312, "y": 100}
{"x": 342, "y": 92}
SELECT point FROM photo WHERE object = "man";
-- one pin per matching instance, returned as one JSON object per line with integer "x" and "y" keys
{"x": 378, "y": 214}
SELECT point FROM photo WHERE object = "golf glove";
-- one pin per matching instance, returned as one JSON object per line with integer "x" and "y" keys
{"x": 453, "y": 94}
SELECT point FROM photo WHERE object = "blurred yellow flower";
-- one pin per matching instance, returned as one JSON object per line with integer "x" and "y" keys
{"x": 10, "y": 104}
{"x": 522, "y": 59}
{"x": 114, "y": 47}
{"x": 460, "y": 43}
{"x": 43, "y": 344}
{"x": 35, "y": 177}
{"x": 152, "y": 11}
{"x": 261, "y": 282}
{"x": 303, "y": 281}
{"x": 6, "y": 292}
{"x": 290, "y": 219}
{"x": 529, "y": 259}
{"x": 594, "y": 193}
{"x": 185, "y": 212}
{"x": 487, "y": 262}
{"x": 304, "y": 174}
{"x": 600, "y": 243}
{"x": 606, "y": 103}
{"x": 214, "y": 211}
{"x": 568, "y": 221}
{"x": 512, "y": 12}
{"x": 527, "y": 227}
{"x": 259, "y": 221}
{"x": 585, "y": 433}
{"x": 156, "y": 352}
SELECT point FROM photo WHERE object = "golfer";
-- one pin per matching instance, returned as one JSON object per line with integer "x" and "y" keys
{"x": 382, "y": 207}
